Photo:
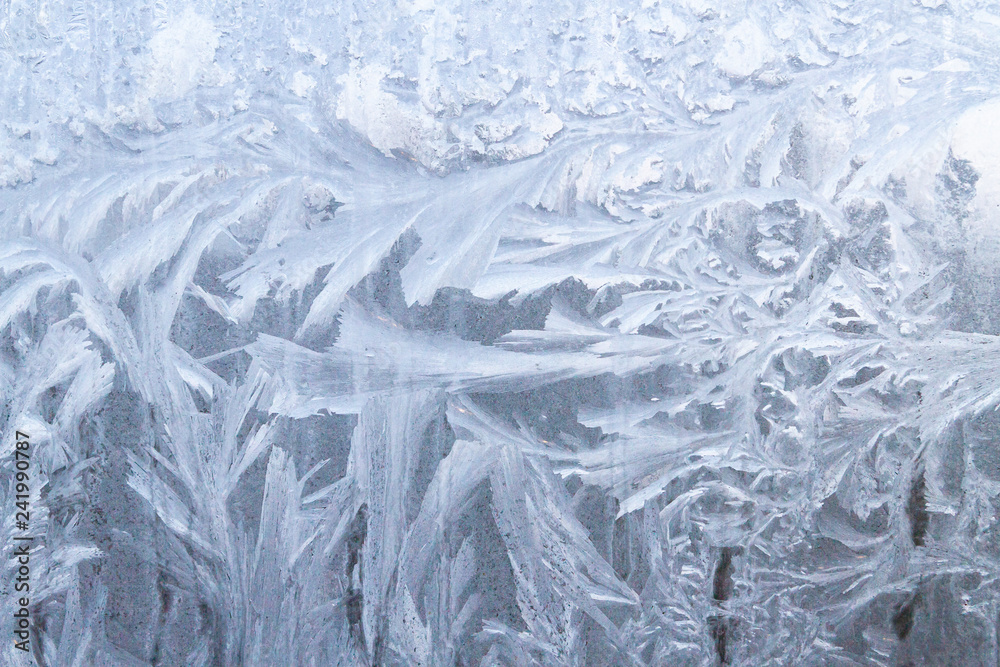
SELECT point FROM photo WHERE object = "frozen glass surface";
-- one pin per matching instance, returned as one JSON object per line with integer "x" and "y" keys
{"x": 502, "y": 333}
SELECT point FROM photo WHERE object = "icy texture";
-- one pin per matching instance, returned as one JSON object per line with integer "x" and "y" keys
{"x": 450, "y": 333}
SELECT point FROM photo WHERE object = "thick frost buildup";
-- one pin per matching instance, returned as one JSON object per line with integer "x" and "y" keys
{"x": 558, "y": 333}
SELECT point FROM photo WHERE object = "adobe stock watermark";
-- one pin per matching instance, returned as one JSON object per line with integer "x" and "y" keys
{"x": 22, "y": 542}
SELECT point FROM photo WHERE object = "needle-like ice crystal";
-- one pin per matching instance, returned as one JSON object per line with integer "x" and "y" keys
{"x": 501, "y": 333}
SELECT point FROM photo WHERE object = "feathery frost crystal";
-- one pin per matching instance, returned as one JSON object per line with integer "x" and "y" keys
{"x": 558, "y": 333}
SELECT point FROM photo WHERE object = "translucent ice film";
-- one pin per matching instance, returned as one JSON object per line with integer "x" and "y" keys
{"x": 497, "y": 333}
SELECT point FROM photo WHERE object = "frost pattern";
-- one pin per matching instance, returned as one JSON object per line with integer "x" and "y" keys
{"x": 440, "y": 333}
